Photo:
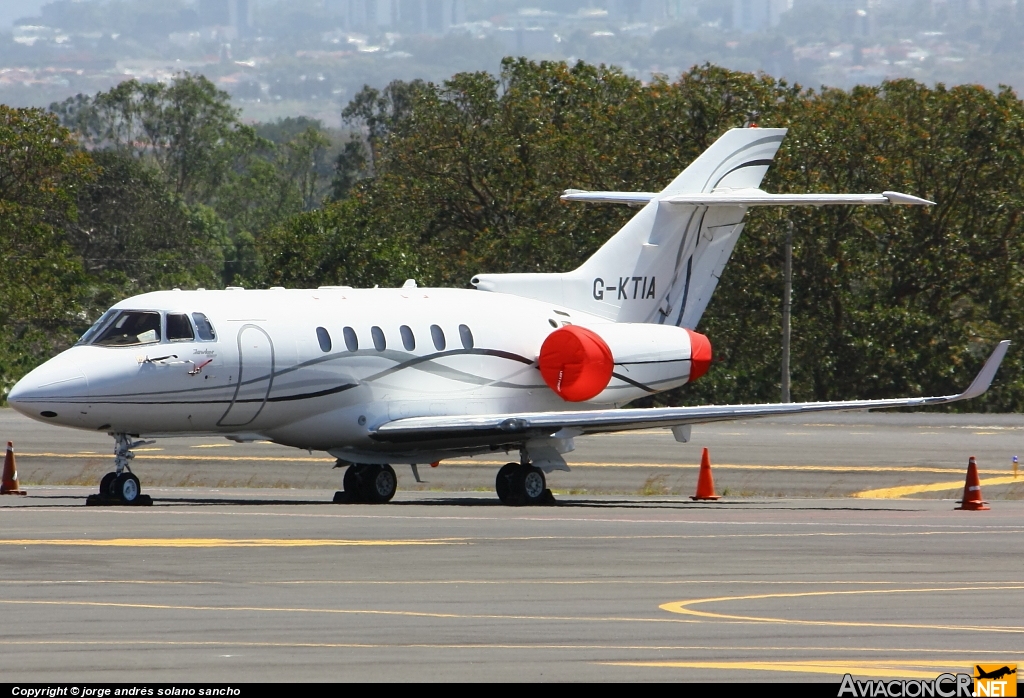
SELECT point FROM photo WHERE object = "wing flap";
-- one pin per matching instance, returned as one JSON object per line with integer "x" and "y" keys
{"x": 517, "y": 427}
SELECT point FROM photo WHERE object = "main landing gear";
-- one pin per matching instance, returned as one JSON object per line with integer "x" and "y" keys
{"x": 522, "y": 484}
{"x": 121, "y": 486}
{"x": 368, "y": 484}
{"x": 518, "y": 484}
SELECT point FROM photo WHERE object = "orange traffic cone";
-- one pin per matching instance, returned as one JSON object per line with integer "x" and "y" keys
{"x": 10, "y": 481}
{"x": 705, "y": 483}
{"x": 972, "y": 490}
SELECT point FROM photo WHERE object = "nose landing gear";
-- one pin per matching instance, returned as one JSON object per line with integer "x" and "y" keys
{"x": 121, "y": 486}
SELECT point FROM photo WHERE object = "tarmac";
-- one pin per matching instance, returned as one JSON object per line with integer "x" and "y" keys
{"x": 790, "y": 577}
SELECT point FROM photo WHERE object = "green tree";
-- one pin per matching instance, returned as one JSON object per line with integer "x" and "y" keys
{"x": 187, "y": 129}
{"x": 464, "y": 176}
{"x": 328, "y": 246}
{"x": 191, "y": 151}
{"x": 43, "y": 284}
{"x": 134, "y": 235}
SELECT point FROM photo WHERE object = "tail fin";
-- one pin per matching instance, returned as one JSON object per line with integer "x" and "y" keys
{"x": 664, "y": 264}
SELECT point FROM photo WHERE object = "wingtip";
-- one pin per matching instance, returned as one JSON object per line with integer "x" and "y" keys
{"x": 983, "y": 380}
{"x": 899, "y": 198}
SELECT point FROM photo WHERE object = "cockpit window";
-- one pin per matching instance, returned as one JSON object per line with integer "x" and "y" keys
{"x": 179, "y": 328}
{"x": 131, "y": 327}
{"x": 204, "y": 328}
{"x": 91, "y": 333}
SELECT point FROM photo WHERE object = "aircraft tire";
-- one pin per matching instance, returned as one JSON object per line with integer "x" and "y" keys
{"x": 127, "y": 488}
{"x": 351, "y": 483}
{"x": 529, "y": 485}
{"x": 503, "y": 483}
{"x": 107, "y": 485}
{"x": 379, "y": 483}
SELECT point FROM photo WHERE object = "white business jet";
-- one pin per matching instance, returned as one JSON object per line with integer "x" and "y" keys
{"x": 525, "y": 363}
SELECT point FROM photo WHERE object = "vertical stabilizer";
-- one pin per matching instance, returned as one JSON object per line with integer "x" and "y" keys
{"x": 664, "y": 264}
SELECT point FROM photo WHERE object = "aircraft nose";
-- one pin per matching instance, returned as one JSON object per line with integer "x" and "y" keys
{"x": 47, "y": 390}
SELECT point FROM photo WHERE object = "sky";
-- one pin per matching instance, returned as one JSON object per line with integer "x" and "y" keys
{"x": 11, "y": 10}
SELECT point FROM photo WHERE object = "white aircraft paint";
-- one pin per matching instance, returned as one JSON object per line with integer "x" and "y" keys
{"x": 415, "y": 375}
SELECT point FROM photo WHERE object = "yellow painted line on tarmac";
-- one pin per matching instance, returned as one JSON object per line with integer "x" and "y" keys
{"x": 457, "y": 582}
{"x": 148, "y": 456}
{"x": 337, "y": 611}
{"x": 903, "y": 491}
{"x": 327, "y": 542}
{"x": 738, "y": 466}
{"x": 580, "y": 464}
{"x": 684, "y": 608}
{"x": 224, "y": 542}
{"x": 539, "y": 646}
{"x": 857, "y": 667}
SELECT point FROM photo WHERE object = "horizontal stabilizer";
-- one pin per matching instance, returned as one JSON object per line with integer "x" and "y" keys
{"x": 630, "y": 198}
{"x": 745, "y": 197}
{"x": 519, "y": 426}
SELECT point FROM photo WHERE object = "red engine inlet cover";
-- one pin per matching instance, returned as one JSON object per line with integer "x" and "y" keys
{"x": 576, "y": 363}
{"x": 700, "y": 354}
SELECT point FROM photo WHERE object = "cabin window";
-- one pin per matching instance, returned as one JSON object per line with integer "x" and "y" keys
{"x": 408, "y": 339}
{"x": 179, "y": 329}
{"x": 437, "y": 334}
{"x": 377, "y": 334}
{"x": 324, "y": 337}
{"x": 132, "y": 327}
{"x": 204, "y": 327}
{"x": 467, "y": 336}
{"x": 351, "y": 340}
{"x": 91, "y": 333}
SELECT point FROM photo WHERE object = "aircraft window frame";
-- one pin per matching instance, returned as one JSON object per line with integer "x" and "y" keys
{"x": 204, "y": 327}
{"x": 466, "y": 335}
{"x": 118, "y": 323}
{"x": 351, "y": 339}
{"x": 324, "y": 339}
{"x": 408, "y": 338}
{"x": 380, "y": 342}
{"x": 167, "y": 328}
{"x": 97, "y": 327}
{"x": 437, "y": 336}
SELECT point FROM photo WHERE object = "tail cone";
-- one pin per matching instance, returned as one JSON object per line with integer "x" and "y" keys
{"x": 705, "y": 483}
{"x": 9, "y": 485}
{"x": 972, "y": 490}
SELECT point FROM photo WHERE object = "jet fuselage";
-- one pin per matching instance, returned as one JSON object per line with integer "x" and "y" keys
{"x": 322, "y": 368}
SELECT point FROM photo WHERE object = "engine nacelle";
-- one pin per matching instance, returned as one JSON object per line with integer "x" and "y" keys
{"x": 619, "y": 362}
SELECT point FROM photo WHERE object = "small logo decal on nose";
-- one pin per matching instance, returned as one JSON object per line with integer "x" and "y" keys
{"x": 199, "y": 367}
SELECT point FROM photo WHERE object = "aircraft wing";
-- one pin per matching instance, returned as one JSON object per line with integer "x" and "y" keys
{"x": 756, "y": 197}
{"x": 744, "y": 197}
{"x": 526, "y": 425}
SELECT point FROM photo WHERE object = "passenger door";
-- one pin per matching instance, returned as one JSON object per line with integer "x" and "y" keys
{"x": 255, "y": 377}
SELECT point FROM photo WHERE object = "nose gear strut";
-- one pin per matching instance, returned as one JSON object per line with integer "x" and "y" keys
{"x": 121, "y": 486}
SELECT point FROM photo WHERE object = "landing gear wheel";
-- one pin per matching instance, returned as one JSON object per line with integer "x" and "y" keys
{"x": 379, "y": 483}
{"x": 107, "y": 485}
{"x": 530, "y": 484}
{"x": 351, "y": 483}
{"x": 503, "y": 482}
{"x": 127, "y": 488}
